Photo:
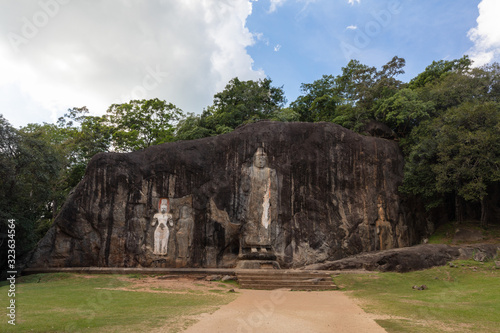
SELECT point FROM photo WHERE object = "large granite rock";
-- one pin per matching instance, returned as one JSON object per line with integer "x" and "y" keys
{"x": 410, "y": 258}
{"x": 300, "y": 193}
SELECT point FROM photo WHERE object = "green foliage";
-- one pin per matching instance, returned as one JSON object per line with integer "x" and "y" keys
{"x": 191, "y": 128}
{"x": 438, "y": 69}
{"x": 404, "y": 110}
{"x": 351, "y": 98}
{"x": 242, "y": 102}
{"x": 449, "y": 118}
{"x": 30, "y": 168}
{"x": 142, "y": 123}
{"x": 319, "y": 101}
{"x": 286, "y": 115}
{"x": 81, "y": 137}
{"x": 468, "y": 149}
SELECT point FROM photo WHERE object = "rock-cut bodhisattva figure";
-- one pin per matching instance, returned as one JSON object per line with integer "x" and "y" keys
{"x": 259, "y": 198}
{"x": 162, "y": 232}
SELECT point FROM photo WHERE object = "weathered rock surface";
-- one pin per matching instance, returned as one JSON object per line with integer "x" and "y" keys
{"x": 329, "y": 193}
{"x": 410, "y": 258}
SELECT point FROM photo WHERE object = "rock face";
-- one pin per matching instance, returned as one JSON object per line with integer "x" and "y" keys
{"x": 301, "y": 192}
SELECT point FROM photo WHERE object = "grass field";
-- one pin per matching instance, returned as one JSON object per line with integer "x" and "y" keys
{"x": 105, "y": 303}
{"x": 465, "y": 298}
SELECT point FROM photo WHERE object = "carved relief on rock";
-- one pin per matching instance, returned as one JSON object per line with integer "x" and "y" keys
{"x": 184, "y": 234}
{"x": 172, "y": 237}
{"x": 258, "y": 204}
{"x": 162, "y": 220}
{"x": 383, "y": 228}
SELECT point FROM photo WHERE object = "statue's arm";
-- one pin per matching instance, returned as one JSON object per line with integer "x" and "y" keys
{"x": 273, "y": 200}
{"x": 245, "y": 180}
{"x": 154, "y": 221}
{"x": 190, "y": 232}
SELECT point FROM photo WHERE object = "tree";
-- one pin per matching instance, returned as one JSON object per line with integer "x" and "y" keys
{"x": 191, "y": 128}
{"x": 141, "y": 123}
{"x": 457, "y": 153}
{"x": 455, "y": 88}
{"x": 468, "y": 151}
{"x": 351, "y": 98}
{"x": 286, "y": 115}
{"x": 242, "y": 102}
{"x": 319, "y": 101}
{"x": 81, "y": 136}
{"x": 30, "y": 167}
{"x": 403, "y": 111}
{"x": 436, "y": 71}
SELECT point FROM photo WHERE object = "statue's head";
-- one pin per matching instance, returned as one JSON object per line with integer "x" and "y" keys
{"x": 164, "y": 206}
{"x": 184, "y": 212}
{"x": 260, "y": 158}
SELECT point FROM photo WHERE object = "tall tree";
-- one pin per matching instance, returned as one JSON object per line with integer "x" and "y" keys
{"x": 30, "y": 167}
{"x": 243, "y": 102}
{"x": 351, "y": 98}
{"x": 436, "y": 71}
{"x": 142, "y": 123}
{"x": 404, "y": 111}
{"x": 468, "y": 151}
{"x": 319, "y": 102}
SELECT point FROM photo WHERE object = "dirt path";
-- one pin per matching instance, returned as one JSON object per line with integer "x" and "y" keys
{"x": 287, "y": 311}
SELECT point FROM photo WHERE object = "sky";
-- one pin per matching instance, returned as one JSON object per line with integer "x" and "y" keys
{"x": 59, "y": 54}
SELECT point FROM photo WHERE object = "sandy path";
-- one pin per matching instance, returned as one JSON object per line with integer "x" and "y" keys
{"x": 287, "y": 311}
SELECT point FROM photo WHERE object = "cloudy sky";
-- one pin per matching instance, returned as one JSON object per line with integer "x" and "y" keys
{"x": 57, "y": 54}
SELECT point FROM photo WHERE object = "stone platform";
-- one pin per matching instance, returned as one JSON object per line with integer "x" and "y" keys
{"x": 132, "y": 270}
{"x": 257, "y": 264}
{"x": 263, "y": 279}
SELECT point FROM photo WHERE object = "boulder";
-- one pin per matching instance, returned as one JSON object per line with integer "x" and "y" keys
{"x": 409, "y": 259}
{"x": 297, "y": 193}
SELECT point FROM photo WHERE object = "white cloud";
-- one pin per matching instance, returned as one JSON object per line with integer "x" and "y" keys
{"x": 101, "y": 52}
{"x": 277, "y": 48}
{"x": 486, "y": 36}
{"x": 351, "y": 27}
{"x": 352, "y": 2}
{"x": 275, "y": 4}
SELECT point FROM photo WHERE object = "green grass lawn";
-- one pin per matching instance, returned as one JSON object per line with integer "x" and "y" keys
{"x": 74, "y": 303}
{"x": 465, "y": 298}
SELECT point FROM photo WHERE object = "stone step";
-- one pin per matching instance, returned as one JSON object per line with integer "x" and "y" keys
{"x": 285, "y": 284}
{"x": 282, "y": 272}
{"x": 264, "y": 280}
{"x": 306, "y": 278}
{"x": 299, "y": 288}
{"x": 278, "y": 278}
{"x": 296, "y": 280}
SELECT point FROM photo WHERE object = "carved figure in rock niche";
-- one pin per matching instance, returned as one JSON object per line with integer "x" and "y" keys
{"x": 259, "y": 189}
{"x": 184, "y": 234}
{"x": 383, "y": 228}
{"x": 163, "y": 218}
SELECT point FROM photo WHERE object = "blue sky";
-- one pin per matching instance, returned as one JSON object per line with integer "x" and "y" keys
{"x": 310, "y": 36}
{"x": 58, "y": 54}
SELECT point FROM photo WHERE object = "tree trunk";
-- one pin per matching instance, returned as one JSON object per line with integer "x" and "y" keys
{"x": 459, "y": 210}
{"x": 484, "y": 212}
